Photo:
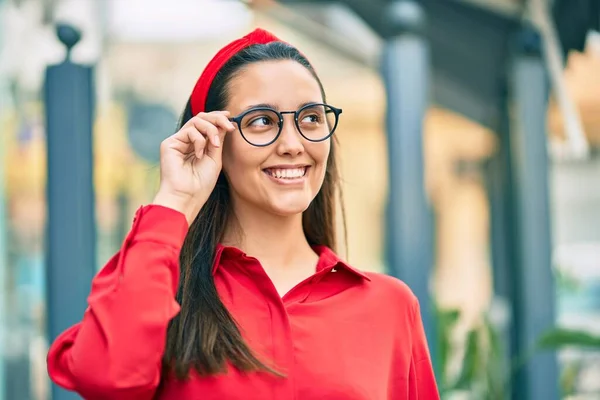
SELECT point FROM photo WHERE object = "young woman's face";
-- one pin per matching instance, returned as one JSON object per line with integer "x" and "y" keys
{"x": 285, "y": 176}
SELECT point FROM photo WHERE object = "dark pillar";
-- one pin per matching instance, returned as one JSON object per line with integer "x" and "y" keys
{"x": 500, "y": 189}
{"x": 68, "y": 97}
{"x": 534, "y": 284}
{"x": 405, "y": 69}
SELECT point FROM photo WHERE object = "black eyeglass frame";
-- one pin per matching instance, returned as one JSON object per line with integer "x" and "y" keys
{"x": 238, "y": 121}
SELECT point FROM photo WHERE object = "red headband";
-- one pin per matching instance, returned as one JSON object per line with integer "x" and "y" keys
{"x": 200, "y": 92}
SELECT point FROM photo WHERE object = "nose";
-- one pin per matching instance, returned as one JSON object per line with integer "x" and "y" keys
{"x": 290, "y": 140}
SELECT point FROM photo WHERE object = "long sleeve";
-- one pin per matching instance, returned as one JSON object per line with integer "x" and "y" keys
{"x": 422, "y": 384}
{"x": 115, "y": 352}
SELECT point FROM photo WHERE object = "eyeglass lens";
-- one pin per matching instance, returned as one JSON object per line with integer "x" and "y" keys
{"x": 261, "y": 126}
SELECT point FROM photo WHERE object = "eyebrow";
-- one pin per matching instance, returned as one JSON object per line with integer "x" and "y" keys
{"x": 276, "y": 108}
{"x": 261, "y": 105}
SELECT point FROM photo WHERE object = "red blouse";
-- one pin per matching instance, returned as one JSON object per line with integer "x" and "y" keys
{"x": 340, "y": 334}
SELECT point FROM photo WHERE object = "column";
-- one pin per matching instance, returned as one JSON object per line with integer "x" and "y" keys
{"x": 68, "y": 97}
{"x": 405, "y": 71}
{"x": 500, "y": 188}
{"x": 533, "y": 301}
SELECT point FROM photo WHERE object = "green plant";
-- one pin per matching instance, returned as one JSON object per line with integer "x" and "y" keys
{"x": 481, "y": 372}
{"x": 445, "y": 322}
{"x": 568, "y": 378}
{"x": 559, "y": 338}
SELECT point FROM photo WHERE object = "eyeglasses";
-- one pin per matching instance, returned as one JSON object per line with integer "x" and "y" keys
{"x": 261, "y": 126}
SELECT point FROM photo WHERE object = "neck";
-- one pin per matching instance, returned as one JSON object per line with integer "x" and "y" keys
{"x": 273, "y": 239}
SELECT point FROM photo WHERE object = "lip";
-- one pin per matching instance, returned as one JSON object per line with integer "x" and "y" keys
{"x": 288, "y": 181}
{"x": 287, "y": 166}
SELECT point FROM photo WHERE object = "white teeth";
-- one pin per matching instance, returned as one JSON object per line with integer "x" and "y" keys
{"x": 286, "y": 173}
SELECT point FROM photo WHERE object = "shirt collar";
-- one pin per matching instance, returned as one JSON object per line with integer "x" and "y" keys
{"x": 328, "y": 260}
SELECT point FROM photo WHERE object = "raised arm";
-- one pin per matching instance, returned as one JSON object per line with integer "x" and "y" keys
{"x": 115, "y": 351}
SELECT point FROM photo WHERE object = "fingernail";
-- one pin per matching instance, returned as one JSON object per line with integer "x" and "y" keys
{"x": 217, "y": 141}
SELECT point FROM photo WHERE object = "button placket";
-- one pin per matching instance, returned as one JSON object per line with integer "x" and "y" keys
{"x": 283, "y": 345}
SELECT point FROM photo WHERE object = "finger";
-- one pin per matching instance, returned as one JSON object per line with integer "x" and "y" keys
{"x": 199, "y": 141}
{"x": 207, "y": 128}
{"x": 214, "y": 152}
{"x": 187, "y": 141}
{"x": 224, "y": 112}
{"x": 221, "y": 122}
{"x": 219, "y": 119}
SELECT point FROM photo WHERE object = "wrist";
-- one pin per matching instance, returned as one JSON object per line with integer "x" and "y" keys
{"x": 182, "y": 203}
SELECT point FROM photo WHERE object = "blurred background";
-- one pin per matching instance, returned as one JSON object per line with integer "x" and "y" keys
{"x": 469, "y": 143}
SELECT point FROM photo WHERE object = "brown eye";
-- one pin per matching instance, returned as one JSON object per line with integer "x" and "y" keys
{"x": 311, "y": 119}
{"x": 260, "y": 121}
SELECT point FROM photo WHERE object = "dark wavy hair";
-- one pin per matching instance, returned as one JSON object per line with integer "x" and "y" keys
{"x": 204, "y": 335}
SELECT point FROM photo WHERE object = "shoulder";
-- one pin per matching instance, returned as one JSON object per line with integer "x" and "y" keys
{"x": 391, "y": 286}
{"x": 393, "y": 291}
{"x": 392, "y": 305}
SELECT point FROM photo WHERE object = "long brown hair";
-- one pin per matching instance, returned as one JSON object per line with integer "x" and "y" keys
{"x": 204, "y": 336}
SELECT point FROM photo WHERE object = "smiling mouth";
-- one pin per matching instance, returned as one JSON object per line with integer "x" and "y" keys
{"x": 286, "y": 173}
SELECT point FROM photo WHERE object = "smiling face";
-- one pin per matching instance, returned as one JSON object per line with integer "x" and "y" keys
{"x": 285, "y": 176}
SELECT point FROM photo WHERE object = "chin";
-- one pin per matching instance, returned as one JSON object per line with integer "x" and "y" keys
{"x": 288, "y": 208}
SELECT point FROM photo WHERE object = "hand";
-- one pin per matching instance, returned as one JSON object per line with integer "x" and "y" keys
{"x": 190, "y": 163}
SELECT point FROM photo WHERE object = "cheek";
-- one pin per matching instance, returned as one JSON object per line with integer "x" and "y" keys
{"x": 240, "y": 159}
{"x": 320, "y": 153}
{"x": 237, "y": 154}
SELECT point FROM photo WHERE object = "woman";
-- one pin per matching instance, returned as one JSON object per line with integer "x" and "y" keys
{"x": 257, "y": 306}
